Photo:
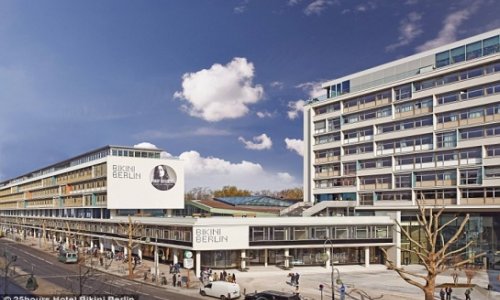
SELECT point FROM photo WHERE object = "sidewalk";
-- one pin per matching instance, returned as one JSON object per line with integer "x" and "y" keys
{"x": 374, "y": 282}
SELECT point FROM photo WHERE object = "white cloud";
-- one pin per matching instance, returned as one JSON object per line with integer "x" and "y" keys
{"x": 285, "y": 177}
{"x": 277, "y": 84}
{"x": 145, "y": 145}
{"x": 364, "y": 7}
{"x": 261, "y": 142}
{"x": 451, "y": 24}
{"x": 264, "y": 114}
{"x": 295, "y": 107}
{"x": 295, "y": 145}
{"x": 214, "y": 173}
{"x": 221, "y": 92}
{"x": 312, "y": 88}
{"x": 317, "y": 6}
{"x": 293, "y": 2}
{"x": 409, "y": 28}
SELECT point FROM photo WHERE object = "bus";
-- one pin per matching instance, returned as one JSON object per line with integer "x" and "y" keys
{"x": 68, "y": 257}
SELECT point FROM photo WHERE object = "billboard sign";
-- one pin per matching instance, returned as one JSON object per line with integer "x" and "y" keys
{"x": 144, "y": 183}
{"x": 216, "y": 238}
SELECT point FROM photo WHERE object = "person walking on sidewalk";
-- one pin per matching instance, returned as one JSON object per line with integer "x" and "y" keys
{"x": 467, "y": 294}
{"x": 342, "y": 292}
{"x": 174, "y": 279}
{"x": 442, "y": 293}
{"x": 449, "y": 290}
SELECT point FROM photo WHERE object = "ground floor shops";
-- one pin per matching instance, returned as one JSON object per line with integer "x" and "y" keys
{"x": 221, "y": 243}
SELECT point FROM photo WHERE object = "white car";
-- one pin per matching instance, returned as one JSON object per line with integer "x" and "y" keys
{"x": 221, "y": 289}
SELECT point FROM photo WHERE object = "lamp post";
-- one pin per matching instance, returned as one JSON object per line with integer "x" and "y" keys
{"x": 156, "y": 257}
{"x": 331, "y": 265}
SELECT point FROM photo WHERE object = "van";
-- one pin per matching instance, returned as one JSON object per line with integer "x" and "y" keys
{"x": 68, "y": 257}
{"x": 221, "y": 289}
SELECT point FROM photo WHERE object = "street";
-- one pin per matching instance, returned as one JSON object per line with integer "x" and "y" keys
{"x": 76, "y": 279}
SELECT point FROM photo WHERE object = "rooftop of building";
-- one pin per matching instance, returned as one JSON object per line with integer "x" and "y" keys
{"x": 86, "y": 157}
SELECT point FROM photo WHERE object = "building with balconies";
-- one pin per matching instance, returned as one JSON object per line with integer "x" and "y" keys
{"x": 421, "y": 128}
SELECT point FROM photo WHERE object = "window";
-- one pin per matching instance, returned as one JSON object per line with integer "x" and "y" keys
{"x": 492, "y": 172}
{"x": 442, "y": 59}
{"x": 403, "y": 92}
{"x": 446, "y": 140}
{"x": 341, "y": 233}
{"x": 474, "y": 50}
{"x": 491, "y": 45}
{"x": 493, "y": 150}
{"x": 457, "y": 55}
{"x": 470, "y": 176}
{"x": 403, "y": 181}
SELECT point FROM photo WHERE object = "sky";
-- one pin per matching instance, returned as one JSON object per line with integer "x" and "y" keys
{"x": 219, "y": 84}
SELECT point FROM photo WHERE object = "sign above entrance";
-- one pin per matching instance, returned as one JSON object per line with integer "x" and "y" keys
{"x": 217, "y": 238}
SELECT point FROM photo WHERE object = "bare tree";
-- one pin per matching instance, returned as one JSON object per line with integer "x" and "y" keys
{"x": 133, "y": 230}
{"x": 433, "y": 252}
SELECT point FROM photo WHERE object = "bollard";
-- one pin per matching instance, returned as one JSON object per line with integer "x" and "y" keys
{"x": 244, "y": 291}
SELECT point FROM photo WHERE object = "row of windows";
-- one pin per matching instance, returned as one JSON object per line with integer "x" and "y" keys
{"x": 359, "y": 149}
{"x": 367, "y": 115}
{"x": 405, "y": 125}
{"x": 470, "y": 93}
{"x": 135, "y": 153}
{"x": 319, "y": 233}
{"x": 457, "y": 76}
{"x": 414, "y": 105}
{"x": 335, "y": 182}
{"x": 439, "y": 156}
{"x": 333, "y": 107}
{"x": 367, "y": 99}
{"x": 467, "y": 52}
{"x": 466, "y": 114}
{"x": 375, "y": 163}
{"x": 479, "y": 132}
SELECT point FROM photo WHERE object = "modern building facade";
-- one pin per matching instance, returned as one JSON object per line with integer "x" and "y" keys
{"x": 86, "y": 201}
{"x": 425, "y": 127}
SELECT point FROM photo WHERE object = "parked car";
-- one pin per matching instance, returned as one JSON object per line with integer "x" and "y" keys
{"x": 272, "y": 295}
{"x": 221, "y": 289}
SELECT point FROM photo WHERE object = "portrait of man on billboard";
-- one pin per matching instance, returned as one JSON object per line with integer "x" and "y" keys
{"x": 163, "y": 177}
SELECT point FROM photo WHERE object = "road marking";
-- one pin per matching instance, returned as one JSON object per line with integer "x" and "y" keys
{"x": 27, "y": 253}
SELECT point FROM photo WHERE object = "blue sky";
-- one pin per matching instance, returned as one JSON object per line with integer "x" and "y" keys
{"x": 219, "y": 84}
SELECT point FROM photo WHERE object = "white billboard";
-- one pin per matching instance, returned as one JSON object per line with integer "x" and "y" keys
{"x": 145, "y": 183}
{"x": 220, "y": 237}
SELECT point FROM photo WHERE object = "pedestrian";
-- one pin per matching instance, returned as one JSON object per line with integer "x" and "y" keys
{"x": 216, "y": 276}
{"x": 292, "y": 279}
{"x": 224, "y": 274}
{"x": 221, "y": 277}
{"x": 179, "y": 280}
{"x": 228, "y": 277}
{"x": 234, "y": 278}
{"x": 297, "y": 276}
{"x": 174, "y": 279}
{"x": 449, "y": 290}
{"x": 467, "y": 294}
{"x": 342, "y": 292}
{"x": 442, "y": 293}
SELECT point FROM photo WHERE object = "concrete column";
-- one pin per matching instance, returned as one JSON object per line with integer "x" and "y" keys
{"x": 67, "y": 241}
{"x": 367, "y": 257}
{"x": 113, "y": 249}
{"x": 198, "y": 264}
{"x": 394, "y": 252}
{"x": 287, "y": 262}
{"x": 125, "y": 250}
{"x": 175, "y": 256}
{"x": 101, "y": 247}
{"x": 169, "y": 213}
{"x": 328, "y": 264}
{"x": 265, "y": 257}
{"x": 243, "y": 259}
{"x": 91, "y": 244}
{"x": 139, "y": 253}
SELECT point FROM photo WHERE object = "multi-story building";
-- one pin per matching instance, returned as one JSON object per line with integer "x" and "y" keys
{"x": 85, "y": 202}
{"x": 425, "y": 127}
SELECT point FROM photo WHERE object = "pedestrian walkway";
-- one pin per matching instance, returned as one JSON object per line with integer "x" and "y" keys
{"x": 373, "y": 282}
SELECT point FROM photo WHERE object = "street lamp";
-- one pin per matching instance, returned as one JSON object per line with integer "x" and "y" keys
{"x": 156, "y": 257}
{"x": 331, "y": 265}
